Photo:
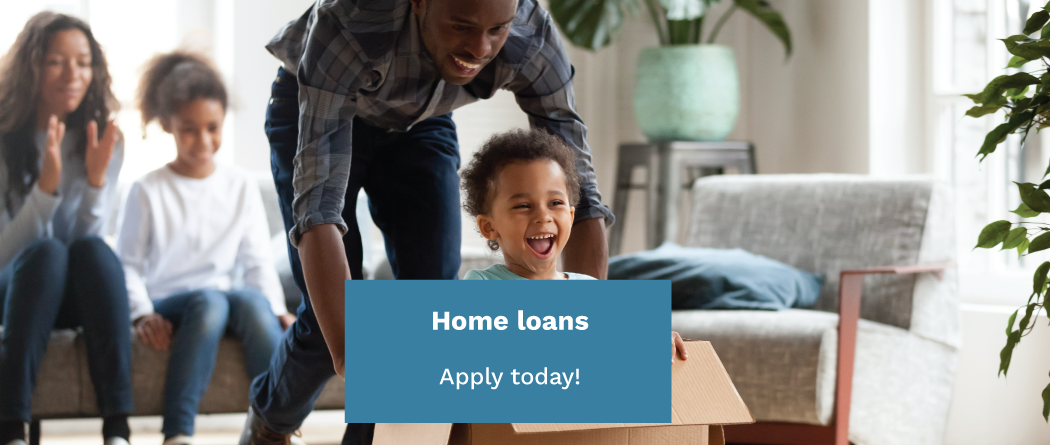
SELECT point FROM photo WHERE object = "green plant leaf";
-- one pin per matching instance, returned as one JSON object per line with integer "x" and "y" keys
{"x": 1027, "y": 317}
{"x": 1040, "y": 243}
{"x": 1007, "y": 353}
{"x": 1017, "y": 62}
{"x": 1010, "y": 323}
{"x": 1036, "y": 21}
{"x": 1014, "y": 237}
{"x": 997, "y": 86}
{"x": 769, "y": 17}
{"x": 993, "y": 234}
{"x": 591, "y": 24}
{"x": 1017, "y": 93}
{"x": 1021, "y": 248}
{"x": 1046, "y": 403}
{"x": 1039, "y": 279}
{"x": 1045, "y": 33}
{"x": 1024, "y": 212}
{"x": 1020, "y": 45}
{"x": 982, "y": 110}
{"x": 999, "y": 133}
{"x": 1035, "y": 199}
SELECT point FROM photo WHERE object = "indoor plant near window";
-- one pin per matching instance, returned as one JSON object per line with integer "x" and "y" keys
{"x": 686, "y": 89}
{"x": 1025, "y": 98}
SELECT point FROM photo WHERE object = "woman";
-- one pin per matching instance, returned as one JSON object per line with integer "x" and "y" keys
{"x": 59, "y": 160}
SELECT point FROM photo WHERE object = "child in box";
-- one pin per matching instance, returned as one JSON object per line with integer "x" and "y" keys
{"x": 186, "y": 228}
{"x": 522, "y": 189}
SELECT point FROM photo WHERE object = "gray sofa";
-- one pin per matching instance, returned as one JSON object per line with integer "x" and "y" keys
{"x": 785, "y": 363}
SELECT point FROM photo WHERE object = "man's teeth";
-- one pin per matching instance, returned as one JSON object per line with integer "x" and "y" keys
{"x": 549, "y": 235}
{"x": 465, "y": 64}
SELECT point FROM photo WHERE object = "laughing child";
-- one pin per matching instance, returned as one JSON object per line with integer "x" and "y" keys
{"x": 522, "y": 189}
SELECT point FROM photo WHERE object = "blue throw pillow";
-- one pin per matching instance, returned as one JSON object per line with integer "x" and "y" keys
{"x": 720, "y": 278}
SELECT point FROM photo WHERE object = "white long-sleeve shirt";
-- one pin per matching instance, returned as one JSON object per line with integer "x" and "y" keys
{"x": 179, "y": 234}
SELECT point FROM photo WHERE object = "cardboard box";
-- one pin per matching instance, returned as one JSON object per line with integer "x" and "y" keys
{"x": 703, "y": 398}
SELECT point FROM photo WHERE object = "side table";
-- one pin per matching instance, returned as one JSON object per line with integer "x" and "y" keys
{"x": 666, "y": 164}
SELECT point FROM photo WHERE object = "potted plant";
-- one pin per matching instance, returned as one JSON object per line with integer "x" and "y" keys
{"x": 686, "y": 89}
{"x": 1025, "y": 98}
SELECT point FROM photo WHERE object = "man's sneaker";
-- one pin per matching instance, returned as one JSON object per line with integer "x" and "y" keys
{"x": 256, "y": 432}
{"x": 16, "y": 442}
{"x": 180, "y": 439}
{"x": 116, "y": 440}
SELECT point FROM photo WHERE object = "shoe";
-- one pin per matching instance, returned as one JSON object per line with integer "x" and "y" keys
{"x": 17, "y": 442}
{"x": 115, "y": 440}
{"x": 180, "y": 439}
{"x": 256, "y": 432}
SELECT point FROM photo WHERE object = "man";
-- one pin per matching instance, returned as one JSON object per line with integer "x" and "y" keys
{"x": 369, "y": 106}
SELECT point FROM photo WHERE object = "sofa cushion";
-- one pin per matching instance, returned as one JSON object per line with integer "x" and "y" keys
{"x": 720, "y": 278}
{"x": 782, "y": 363}
{"x": 64, "y": 386}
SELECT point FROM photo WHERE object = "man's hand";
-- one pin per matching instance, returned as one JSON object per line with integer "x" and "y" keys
{"x": 678, "y": 347}
{"x": 286, "y": 320}
{"x": 325, "y": 270}
{"x": 587, "y": 251}
{"x": 155, "y": 331}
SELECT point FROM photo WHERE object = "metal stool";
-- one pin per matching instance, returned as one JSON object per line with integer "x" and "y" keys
{"x": 668, "y": 161}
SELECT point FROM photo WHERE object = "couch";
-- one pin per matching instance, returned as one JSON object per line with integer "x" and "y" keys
{"x": 874, "y": 361}
{"x": 64, "y": 388}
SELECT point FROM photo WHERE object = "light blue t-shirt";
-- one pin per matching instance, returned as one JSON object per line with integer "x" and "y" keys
{"x": 500, "y": 272}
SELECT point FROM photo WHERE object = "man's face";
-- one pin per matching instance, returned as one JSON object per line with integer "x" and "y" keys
{"x": 464, "y": 35}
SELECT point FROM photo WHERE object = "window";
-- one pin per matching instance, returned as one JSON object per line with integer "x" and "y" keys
{"x": 966, "y": 55}
{"x": 128, "y": 42}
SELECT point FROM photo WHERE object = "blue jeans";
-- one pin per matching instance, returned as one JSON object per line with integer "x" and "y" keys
{"x": 201, "y": 318}
{"x": 412, "y": 185}
{"x": 49, "y": 285}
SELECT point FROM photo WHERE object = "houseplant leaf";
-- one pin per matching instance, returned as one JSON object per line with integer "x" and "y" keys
{"x": 1034, "y": 198}
{"x": 591, "y": 24}
{"x": 1021, "y": 248}
{"x": 1014, "y": 237}
{"x": 993, "y": 234}
{"x": 1039, "y": 279}
{"x": 1046, "y": 403}
{"x": 769, "y": 17}
{"x": 1007, "y": 353}
{"x": 1024, "y": 212}
{"x": 1036, "y": 21}
{"x": 1017, "y": 62}
{"x": 997, "y": 86}
{"x": 999, "y": 134}
{"x": 1040, "y": 243}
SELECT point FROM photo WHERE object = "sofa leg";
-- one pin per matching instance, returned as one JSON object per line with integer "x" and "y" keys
{"x": 34, "y": 432}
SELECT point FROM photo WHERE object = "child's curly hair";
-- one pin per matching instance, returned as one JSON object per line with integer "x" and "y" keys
{"x": 480, "y": 177}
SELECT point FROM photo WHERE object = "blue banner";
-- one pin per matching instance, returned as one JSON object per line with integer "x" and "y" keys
{"x": 508, "y": 351}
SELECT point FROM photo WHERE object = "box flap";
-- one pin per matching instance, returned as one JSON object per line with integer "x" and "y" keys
{"x": 412, "y": 433}
{"x": 702, "y": 394}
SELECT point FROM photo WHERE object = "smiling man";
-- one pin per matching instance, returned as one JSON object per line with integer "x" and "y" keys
{"x": 364, "y": 100}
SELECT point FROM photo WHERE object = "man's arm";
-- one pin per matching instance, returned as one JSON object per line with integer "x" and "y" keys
{"x": 587, "y": 251}
{"x": 543, "y": 89}
{"x": 325, "y": 270}
{"x": 329, "y": 77}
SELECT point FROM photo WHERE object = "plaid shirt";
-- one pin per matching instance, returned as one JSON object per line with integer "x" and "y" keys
{"x": 365, "y": 58}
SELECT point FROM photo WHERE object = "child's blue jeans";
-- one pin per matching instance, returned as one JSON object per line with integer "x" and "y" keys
{"x": 201, "y": 318}
{"x": 412, "y": 183}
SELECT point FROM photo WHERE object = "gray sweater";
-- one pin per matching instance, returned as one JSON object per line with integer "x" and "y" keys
{"x": 76, "y": 210}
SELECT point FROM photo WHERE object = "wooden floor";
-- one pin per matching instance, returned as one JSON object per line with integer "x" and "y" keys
{"x": 321, "y": 428}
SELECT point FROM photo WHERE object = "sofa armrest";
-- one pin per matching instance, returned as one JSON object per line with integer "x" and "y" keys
{"x": 851, "y": 284}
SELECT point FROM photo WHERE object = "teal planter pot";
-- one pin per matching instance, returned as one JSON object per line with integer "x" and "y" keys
{"x": 687, "y": 93}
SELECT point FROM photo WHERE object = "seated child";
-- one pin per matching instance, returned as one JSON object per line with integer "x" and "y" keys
{"x": 522, "y": 188}
{"x": 186, "y": 228}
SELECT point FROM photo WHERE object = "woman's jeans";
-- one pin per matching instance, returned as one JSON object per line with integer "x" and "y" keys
{"x": 201, "y": 318}
{"x": 49, "y": 285}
